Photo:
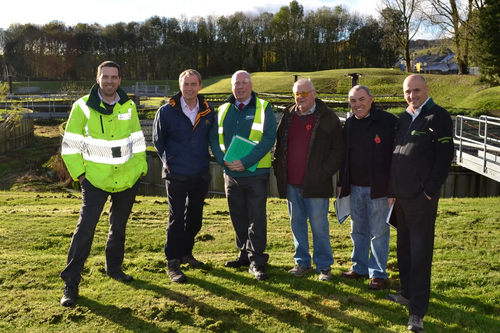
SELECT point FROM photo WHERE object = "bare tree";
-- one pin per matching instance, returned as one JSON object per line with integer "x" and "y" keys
{"x": 454, "y": 16}
{"x": 402, "y": 19}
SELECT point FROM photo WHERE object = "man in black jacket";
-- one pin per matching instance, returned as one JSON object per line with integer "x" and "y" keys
{"x": 422, "y": 156}
{"x": 368, "y": 140}
{"x": 309, "y": 152}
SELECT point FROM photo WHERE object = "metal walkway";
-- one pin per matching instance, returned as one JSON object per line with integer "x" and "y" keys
{"x": 478, "y": 145}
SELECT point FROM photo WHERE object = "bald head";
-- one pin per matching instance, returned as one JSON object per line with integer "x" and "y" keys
{"x": 416, "y": 77}
{"x": 416, "y": 91}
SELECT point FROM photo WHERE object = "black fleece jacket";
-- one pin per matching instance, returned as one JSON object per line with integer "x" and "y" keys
{"x": 423, "y": 152}
{"x": 378, "y": 140}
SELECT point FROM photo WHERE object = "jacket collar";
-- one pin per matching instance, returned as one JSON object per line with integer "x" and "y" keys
{"x": 429, "y": 105}
{"x": 175, "y": 102}
{"x": 94, "y": 101}
{"x": 320, "y": 107}
{"x": 375, "y": 114}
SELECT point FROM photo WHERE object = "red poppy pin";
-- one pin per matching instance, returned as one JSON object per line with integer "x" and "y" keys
{"x": 309, "y": 127}
{"x": 377, "y": 139}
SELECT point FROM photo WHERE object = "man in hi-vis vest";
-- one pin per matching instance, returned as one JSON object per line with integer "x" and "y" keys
{"x": 104, "y": 148}
{"x": 251, "y": 118}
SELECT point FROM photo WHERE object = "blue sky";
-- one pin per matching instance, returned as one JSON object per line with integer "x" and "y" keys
{"x": 113, "y": 11}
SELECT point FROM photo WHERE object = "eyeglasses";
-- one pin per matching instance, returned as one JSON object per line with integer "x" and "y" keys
{"x": 304, "y": 94}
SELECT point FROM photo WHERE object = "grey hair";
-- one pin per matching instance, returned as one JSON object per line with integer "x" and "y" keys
{"x": 301, "y": 81}
{"x": 238, "y": 72}
{"x": 359, "y": 87}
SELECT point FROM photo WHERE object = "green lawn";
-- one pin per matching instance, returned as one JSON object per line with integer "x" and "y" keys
{"x": 36, "y": 229}
{"x": 450, "y": 91}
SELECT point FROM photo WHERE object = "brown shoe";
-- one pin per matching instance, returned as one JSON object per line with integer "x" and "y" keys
{"x": 376, "y": 284}
{"x": 352, "y": 275}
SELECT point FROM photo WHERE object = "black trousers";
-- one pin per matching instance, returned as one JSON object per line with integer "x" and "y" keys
{"x": 93, "y": 200}
{"x": 415, "y": 239}
{"x": 247, "y": 199}
{"x": 185, "y": 201}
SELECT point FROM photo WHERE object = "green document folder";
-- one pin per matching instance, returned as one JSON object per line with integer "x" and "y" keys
{"x": 239, "y": 148}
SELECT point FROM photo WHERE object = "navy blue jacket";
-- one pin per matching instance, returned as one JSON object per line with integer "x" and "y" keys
{"x": 182, "y": 147}
{"x": 379, "y": 139}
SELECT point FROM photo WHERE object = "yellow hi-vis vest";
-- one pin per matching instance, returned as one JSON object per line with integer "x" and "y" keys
{"x": 255, "y": 133}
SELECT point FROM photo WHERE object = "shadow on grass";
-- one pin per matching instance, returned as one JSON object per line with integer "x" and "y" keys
{"x": 472, "y": 314}
{"x": 316, "y": 304}
{"x": 320, "y": 304}
{"x": 116, "y": 315}
{"x": 214, "y": 318}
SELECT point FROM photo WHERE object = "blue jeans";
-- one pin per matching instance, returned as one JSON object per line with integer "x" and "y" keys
{"x": 316, "y": 209}
{"x": 369, "y": 230}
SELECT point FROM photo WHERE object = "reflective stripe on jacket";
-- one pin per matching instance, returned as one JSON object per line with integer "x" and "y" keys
{"x": 255, "y": 133}
{"x": 109, "y": 149}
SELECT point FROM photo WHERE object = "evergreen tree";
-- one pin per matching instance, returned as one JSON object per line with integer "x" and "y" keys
{"x": 488, "y": 42}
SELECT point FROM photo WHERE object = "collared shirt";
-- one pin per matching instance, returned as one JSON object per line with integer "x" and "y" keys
{"x": 414, "y": 114}
{"x": 191, "y": 114}
{"x": 311, "y": 111}
{"x": 245, "y": 103}
{"x": 117, "y": 98}
{"x": 362, "y": 118}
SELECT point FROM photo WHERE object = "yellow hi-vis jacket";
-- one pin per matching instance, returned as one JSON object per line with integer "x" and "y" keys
{"x": 256, "y": 131}
{"x": 108, "y": 148}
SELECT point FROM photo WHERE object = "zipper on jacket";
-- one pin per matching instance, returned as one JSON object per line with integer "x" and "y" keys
{"x": 102, "y": 126}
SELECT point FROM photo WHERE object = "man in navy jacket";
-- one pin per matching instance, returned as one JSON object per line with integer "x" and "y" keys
{"x": 180, "y": 133}
{"x": 422, "y": 156}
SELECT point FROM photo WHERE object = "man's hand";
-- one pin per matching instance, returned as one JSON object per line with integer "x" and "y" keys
{"x": 81, "y": 178}
{"x": 428, "y": 197}
{"x": 235, "y": 165}
{"x": 339, "y": 190}
{"x": 391, "y": 202}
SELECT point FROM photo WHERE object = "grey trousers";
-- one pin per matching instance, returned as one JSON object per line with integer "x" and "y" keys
{"x": 247, "y": 199}
{"x": 93, "y": 200}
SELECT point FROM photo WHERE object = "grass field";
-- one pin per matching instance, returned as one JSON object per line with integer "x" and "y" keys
{"x": 451, "y": 91}
{"x": 36, "y": 229}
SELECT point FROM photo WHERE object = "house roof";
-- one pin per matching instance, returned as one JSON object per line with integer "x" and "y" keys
{"x": 434, "y": 58}
{"x": 442, "y": 67}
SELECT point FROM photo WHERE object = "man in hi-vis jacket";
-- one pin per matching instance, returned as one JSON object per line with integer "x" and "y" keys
{"x": 104, "y": 148}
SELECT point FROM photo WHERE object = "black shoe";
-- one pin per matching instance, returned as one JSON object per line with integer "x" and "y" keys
{"x": 119, "y": 275}
{"x": 192, "y": 261}
{"x": 258, "y": 272}
{"x": 237, "y": 263}
{"x": 174, "y": 271}
{"x": 70, "y": 293}
{"x": 415, "y": 324}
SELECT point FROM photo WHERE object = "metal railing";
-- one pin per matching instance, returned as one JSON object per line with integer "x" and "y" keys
{"x": 478, "y": 141}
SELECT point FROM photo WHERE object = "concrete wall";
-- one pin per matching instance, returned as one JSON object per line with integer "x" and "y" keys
{"x": 459, "y": 184}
